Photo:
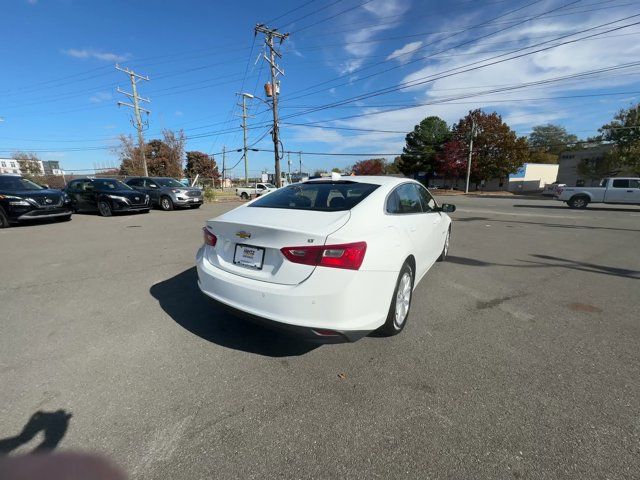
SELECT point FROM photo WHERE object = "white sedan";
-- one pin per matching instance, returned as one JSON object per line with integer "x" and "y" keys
{"x": 332, "y": 259}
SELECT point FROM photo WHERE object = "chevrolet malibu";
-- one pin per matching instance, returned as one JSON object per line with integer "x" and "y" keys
{"x": 331, "y": 259}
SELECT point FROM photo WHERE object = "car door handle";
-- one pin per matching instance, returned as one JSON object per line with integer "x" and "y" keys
{"x": 629, "y": 191}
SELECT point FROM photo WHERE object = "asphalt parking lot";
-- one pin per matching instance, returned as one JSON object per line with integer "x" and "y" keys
{"x": 521, "y": 358}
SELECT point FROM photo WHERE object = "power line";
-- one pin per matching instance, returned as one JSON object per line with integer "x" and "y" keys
{"x": 453, "y": 72}
{"x": 367, "y": 67}
{"x": 299, "y": 7}
{"x": 332, "y": 16}
{"x": 324, "y": 7}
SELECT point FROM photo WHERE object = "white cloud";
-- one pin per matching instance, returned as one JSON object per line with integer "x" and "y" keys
{"x": 600, "y": 52}
{"x": 404, "y": 54}
{"x": 387, "y": 8}
{"x": 178, "y": 113}
{"x": 101, "y": 97}
{"x": 86, "y": 53}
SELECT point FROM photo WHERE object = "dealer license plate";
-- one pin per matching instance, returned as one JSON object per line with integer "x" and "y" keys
{"x": 248, "y": 256}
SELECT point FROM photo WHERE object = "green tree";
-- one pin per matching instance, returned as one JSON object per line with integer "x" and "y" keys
{"x": 393, "y": 168}
{"x": 624, "y": 132}
{"x": 200, "y": 163}
{"x": 29, "y": 164}
{"x": 540, "y": 156}
{"x": 423, "y": 145}
{"x": 497, "y": 150}
{"x": 336, "y": 169}
{"x": 551, "y": 138}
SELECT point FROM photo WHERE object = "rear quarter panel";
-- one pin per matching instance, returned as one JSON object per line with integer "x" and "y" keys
{"x": 387, "y": 248}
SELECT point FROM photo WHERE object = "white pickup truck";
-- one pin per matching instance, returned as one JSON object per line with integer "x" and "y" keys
{"x": 256, "y": 190}
{"x": 622, "y": 191}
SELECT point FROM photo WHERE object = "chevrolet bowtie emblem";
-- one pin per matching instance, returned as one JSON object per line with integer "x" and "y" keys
{"x": 48, "y": 200}
{"x": 137, "y": 198}
{"x": 242, "y": 234}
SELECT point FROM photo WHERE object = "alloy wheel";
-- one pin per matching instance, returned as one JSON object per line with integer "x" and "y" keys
{"x": 403, "y": 299}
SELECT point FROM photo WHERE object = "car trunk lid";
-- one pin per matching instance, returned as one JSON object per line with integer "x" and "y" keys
{"x": 249, "y": 240}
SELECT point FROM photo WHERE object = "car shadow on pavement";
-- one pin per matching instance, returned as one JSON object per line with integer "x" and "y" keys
{"x": 52, "y": 424}
{"x": 182, "y": 300}
{"x": 547, "y": 261}
{"x": 566, "y": 208}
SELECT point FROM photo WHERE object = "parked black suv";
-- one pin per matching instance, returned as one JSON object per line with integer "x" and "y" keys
{"x": 106, "y": 196}
{"x": 22, "y": 200}
{"x": 166, "y": 192}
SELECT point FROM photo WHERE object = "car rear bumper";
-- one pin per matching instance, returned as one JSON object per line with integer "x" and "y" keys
{"x": 347, "y": 302}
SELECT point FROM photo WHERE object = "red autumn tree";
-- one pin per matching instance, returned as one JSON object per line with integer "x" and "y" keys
{"x": 497, "y": 150}
{"x": 373, "y": 166}
{"x": 451, "y": 162}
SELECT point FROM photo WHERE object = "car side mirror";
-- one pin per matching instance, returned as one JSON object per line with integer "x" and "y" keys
{"x": 447, "y": 208}
{"x": 44, "y": 185}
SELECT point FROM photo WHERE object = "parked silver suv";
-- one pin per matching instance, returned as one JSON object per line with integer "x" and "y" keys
{"x": 167, "y": 193}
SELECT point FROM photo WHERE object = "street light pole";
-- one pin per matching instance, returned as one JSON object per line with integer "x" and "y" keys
{"x": 244, "y": 134}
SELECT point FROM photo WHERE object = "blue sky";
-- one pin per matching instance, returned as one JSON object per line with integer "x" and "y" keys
{"x": 58, "y": 96}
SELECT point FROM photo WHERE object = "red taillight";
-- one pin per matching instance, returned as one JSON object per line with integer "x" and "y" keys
{"x": 209, "y": 238}
{"x": 348, "y": 255}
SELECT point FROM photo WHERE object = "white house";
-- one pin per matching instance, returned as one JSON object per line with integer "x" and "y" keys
{"x": 9, "y": 165}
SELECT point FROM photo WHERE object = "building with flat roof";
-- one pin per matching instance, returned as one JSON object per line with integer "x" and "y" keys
{"x": 570, "y": 160}
{"x": 9, "y": 165}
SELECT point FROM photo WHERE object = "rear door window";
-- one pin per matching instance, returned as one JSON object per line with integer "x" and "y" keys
{"x": 621, "y": 183}
{"x": 321, "y": 196}
{"x": 409, "y": 200}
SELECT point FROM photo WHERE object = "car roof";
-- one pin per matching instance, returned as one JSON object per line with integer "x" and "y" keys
{"x": 372, "y": 179}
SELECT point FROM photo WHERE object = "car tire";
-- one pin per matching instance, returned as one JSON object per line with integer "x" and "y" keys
{"x": 195, "y": 206}
{"x": 104, "y": 208}
{"x": 166, "y": 203}
{"x": 579, "y": 201}
{"x": 4, "y": 220}
{"x": 244, "y": 196}
{"x": 445, "y": 248}
{"x": 400, "y": 303}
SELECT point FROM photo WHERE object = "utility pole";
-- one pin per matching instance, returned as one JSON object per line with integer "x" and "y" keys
{"x": 289, "y": 164}
{"x": 270, "y": 34}
{"x": 473, "y": 133}
{"x": 135, "y": 78}
{"x": 224, "y": 159}
{"x": 300, "y": 161}
{"x": 244, "y": 134}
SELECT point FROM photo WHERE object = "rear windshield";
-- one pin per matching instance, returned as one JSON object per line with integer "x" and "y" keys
{"x": 320, "y": 196}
